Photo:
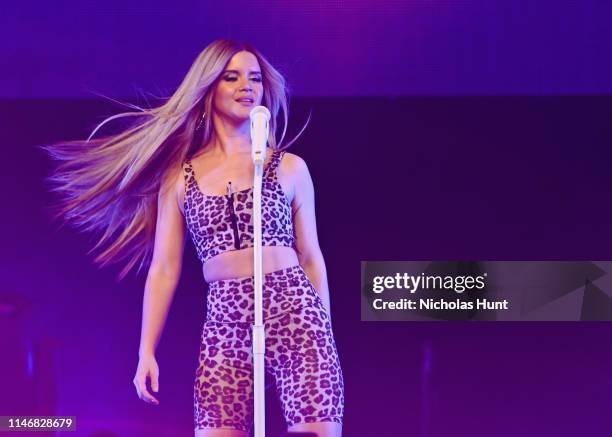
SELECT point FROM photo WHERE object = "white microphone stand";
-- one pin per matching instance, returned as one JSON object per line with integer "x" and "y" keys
{"x": 260, "y": 117}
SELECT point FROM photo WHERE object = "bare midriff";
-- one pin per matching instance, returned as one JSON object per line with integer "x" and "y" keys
{"x": 239, "y": 263}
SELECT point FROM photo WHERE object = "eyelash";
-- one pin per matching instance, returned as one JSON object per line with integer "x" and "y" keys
{"x": 233, "y": 79}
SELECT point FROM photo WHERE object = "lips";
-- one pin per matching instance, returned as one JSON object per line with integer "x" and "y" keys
{"x": 245, "y": 100}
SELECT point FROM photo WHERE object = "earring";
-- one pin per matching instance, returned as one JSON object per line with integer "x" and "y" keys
{"x": 201, "y": 121}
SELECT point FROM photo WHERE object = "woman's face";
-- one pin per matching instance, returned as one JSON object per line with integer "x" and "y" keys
{"x": 240, "y": 88}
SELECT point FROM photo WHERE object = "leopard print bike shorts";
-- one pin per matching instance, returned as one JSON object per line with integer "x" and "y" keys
{"x": 300, "y": 357}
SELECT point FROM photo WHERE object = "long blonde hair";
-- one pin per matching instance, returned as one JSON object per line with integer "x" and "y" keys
{"x": 110, "y": 184}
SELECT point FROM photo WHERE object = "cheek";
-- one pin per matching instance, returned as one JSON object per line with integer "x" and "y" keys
{"x": 222, "y": 97}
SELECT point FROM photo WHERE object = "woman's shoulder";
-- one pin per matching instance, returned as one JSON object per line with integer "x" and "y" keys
{"x": 293, "y": 172}
{"x": 291, "y": 160}
{"x": 292, "y": 164}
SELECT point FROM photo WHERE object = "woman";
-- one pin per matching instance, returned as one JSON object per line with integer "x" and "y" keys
{"x": 199, "y": 142}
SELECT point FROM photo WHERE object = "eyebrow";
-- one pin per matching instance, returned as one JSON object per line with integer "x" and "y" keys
{"x": 237, "y": 72}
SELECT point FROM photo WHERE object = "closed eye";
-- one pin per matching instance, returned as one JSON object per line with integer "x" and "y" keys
{"x": 234, "y": 79}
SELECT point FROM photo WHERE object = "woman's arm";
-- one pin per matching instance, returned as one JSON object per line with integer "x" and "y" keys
{"x": 307, "y": 242}
{"x": 162, "y": 280}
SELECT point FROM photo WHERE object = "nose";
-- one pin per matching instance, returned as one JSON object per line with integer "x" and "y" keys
{"x": 245, "y": 86}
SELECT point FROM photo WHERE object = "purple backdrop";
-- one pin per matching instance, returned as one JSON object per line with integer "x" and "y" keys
{"x": 345, "y": 48}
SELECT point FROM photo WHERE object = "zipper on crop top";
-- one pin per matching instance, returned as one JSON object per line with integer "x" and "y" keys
{"x": 230, "y": 196}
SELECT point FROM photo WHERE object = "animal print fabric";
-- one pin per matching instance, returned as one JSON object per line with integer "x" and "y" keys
{"x": 300, "y": 356}
{"x": 220, "y": 224}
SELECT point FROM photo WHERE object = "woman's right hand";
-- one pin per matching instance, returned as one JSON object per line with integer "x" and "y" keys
{"x": 147, "y": 369}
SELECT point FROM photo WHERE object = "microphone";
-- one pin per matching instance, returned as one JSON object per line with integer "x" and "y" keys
{"x": 260, "y": 116}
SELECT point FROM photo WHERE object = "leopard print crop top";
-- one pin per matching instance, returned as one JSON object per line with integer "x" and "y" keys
{"x": 220, "y": 224}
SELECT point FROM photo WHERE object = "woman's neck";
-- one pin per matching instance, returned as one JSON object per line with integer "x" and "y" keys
{"x": 229, "y": 138}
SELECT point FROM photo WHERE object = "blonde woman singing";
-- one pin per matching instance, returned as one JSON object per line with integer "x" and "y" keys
{"x": 185, "y": 168}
